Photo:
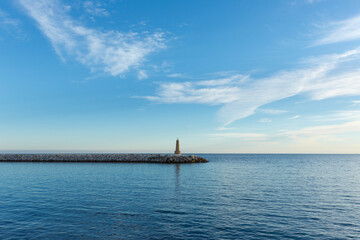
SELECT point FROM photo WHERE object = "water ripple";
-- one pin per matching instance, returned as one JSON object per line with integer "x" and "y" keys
{"x": 231, "y": 197}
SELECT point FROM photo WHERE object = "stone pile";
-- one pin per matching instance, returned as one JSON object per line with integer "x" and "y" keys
{"x": 105, "y": 158}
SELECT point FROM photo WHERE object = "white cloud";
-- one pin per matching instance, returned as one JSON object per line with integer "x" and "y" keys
{"x": 96, "y": 9}
{"x": 224, "y": 128}
{"x": 294, "y": 117}
{"x": 142, "y": 75}
{"x": 340, "y": 116}
{"x": 265, "y": 120}
{"x": 113, "y": 52}
{"x": 245, "y": 136}
{"x": 272, "y": 111}
{"x": 326, "y": 130}
{"x": 212, "y": 92}
{"x": 340, "y": 31}
{"x": 337, "y": 138}
{"x": 11, "y": 25}
{"x": 322, "y": 77}
{"x": 175, "y": 75}
{"x": 6, "y": 20}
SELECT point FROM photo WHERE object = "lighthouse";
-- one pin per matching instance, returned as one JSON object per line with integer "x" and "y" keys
{"x": 177, "y": 149}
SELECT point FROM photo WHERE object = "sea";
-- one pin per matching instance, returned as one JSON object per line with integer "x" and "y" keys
{"x": 233, "y": 196}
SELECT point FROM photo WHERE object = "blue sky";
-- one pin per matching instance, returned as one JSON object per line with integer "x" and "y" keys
{"x": 223, "y": 76}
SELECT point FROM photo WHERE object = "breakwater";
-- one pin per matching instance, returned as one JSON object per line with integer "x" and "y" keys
{"x": 102, "y": 158}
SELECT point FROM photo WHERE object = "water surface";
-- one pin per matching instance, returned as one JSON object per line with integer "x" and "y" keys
{"x": 234, "y": 196}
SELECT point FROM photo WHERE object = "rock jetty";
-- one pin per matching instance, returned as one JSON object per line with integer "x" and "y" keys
{"x": 102, "y": 158}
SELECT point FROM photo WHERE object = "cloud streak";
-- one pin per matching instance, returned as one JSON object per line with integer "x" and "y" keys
{"x": 239, "y": 96}
{"x": 112, "y": 52}
{"x": 95, "y": 9}
{"x": 272, "y": 111}
{"x": 294, "y": 117}
{"x": 348, "y": 127}
{"x": 11, "y": 25}
{"x": 340, "y": 116}
{"x": 8, "y": 21}
{"x": 213, "y": 92}
{"x": 244, "y": 136}
{"x": 341, "y": 31}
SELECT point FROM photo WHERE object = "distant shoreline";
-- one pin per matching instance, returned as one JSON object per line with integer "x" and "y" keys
{"x": 103, "y": 158}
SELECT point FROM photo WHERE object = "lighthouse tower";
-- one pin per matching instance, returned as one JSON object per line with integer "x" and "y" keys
{"x": 177, "y": 149}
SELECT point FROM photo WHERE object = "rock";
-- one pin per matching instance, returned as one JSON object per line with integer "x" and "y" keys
{"x": 114, "y": 158}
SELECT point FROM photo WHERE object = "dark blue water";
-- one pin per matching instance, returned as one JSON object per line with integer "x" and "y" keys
{"x": 231, "y": 197}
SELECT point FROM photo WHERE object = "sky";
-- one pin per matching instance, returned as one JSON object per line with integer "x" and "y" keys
{"x": 231, "y": 76}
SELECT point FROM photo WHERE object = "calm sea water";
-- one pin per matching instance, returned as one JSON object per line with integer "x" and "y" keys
{"x": 232, "y": 197}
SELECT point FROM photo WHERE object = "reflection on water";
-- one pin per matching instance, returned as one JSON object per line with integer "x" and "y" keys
{"x": 177, "y": 174}
{"x": 231, "y": 197}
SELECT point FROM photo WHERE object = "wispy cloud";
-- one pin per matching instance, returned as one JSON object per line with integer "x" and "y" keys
{"x": 96, "y": 9}
{"x": 339, "y": 116}
{"x": 212, "y": 92}
{"x": 11, "y": 25}
{"x": 112, "y": 52}
{"x": 175, "y": 75}
{"x": 294, "y": 117}
{"x": 5, "y": 19}
{"x": 272, "y": 111}
{"x": 224, "y": 128}
{"x": 340, "y": 31}
{"x": 325, "y": 130}
{"x": 245, "y": 136}
{"x": 265, "y": 120}
{"x": 142, "y": 74}
{"x": 320, "y": 78}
